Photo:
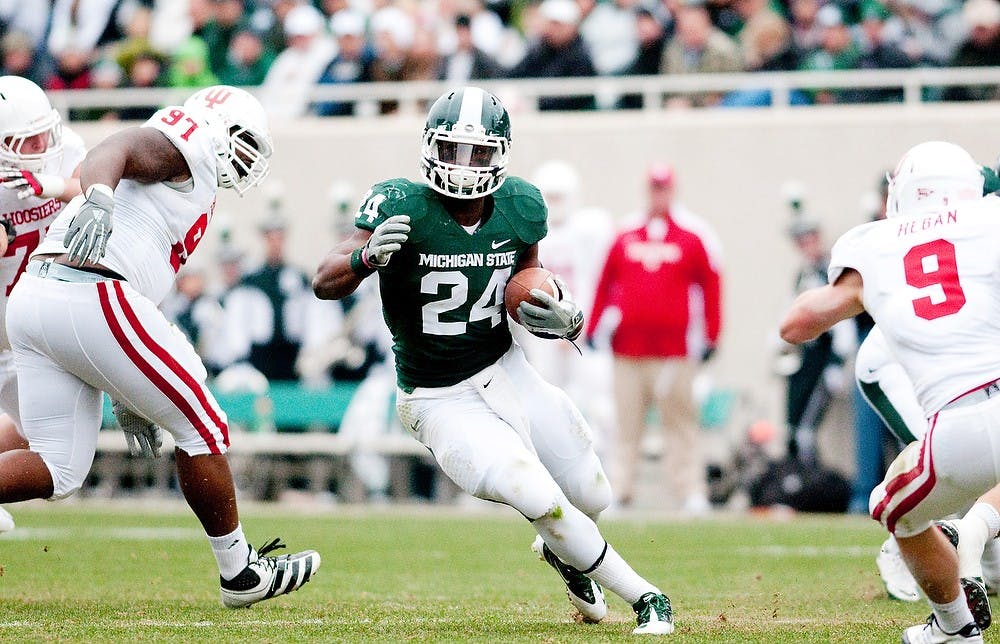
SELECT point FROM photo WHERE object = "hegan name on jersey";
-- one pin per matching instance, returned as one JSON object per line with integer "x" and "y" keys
{"x": 916, "y": 225}
{"x": 37, "y": 213}
{"x": 462, "y": 260}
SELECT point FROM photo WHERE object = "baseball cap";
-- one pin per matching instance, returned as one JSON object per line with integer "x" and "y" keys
{"x": 566, "y": 12}
{"x": 347, "y": 23}
{"x": 273, "y": 221}
{"x": 303, "y": 20}
{"x": 661, "y": 174}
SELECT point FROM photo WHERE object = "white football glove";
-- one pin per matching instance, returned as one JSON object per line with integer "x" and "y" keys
{"x": 142, "y": 437}
{"x": 386, "y": 239}
{"x": 556, "y": 318}
{"x": 88, "y": 232}
{"x": 32, "y": 184}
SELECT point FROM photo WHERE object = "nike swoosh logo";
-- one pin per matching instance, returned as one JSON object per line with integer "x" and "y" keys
{"x": 230, "y": 546}
{"x": 490, "y": 380}
{"x": 498, "y": 244}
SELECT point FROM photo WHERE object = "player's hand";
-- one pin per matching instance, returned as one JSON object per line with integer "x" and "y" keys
{"x": 142, "y": 437}
{"x": 386, "y": 239}
{"x": 556, "y": 318}
{"x": 87, "y": 236}
{"x": 30, "y": 184}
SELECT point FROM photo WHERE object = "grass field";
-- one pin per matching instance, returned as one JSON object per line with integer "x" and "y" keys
{"x": 97, "y": 572}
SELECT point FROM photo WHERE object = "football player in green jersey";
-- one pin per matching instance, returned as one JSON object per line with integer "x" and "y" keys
{"x": 443, "y": 251}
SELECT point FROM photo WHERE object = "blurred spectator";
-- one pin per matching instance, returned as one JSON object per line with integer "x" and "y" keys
{"x": 189, "y": 65}
{"x": 424, "y": 61}
{"x": 294, "y": 72}
{"x": 85, "y": 25}
{"x": 930, "y": 30}
{"x": 28, "y": 18}
{"x": 19, "y": 57}
{"x": 576, "y": 243}
{"x": 652, "y": 38}
{"x": 698, "y": 47}
{"x": 171, "y": 23}
{"x": 194, "y": 311}
{"x": 879, "y": 50}
{"x": 144, "y": 70}
{"x": 246, "y": 61}
{"x": 814, "y": 371}
{"x": 560, "y": 52}
{"x": 609, "y": 29}
{"x": 766, "y": 38}
{"x": 837, "y": 51}
{"x": 269, "y": 21}
{"x": 353, "y": 61}
{"x": 393, "y": 32}
{"x": 767, "y": 45}
{"x": 980, "y": 49}
{"x": 72, "y": 71}
{"x": 105, "y": 74}
{"x": 643, "y": 302}
{"x": 806, "y": 33}
{"x": 218, "y": 33}
{"x": 467, "y": 62}
{"x": 275, "y": 344}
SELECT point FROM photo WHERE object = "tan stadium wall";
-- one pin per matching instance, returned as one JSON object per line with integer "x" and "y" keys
{"x": 730, "y": 166}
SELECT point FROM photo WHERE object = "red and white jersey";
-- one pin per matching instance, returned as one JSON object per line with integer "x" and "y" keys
{"x": 31, "y": 218}
{"x": 932, "y": 283}
{"x": 156, "y": 226}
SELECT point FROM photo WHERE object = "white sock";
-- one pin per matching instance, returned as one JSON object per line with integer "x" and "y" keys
{"x": 617, "y": 576}
{"x": 989, "y": 516}
{"x": 954, "y": 615}
{"x": 979, "y": 525}
{"x": 232, "y": 552}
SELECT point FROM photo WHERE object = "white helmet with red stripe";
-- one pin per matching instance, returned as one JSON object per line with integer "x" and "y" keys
{"x": 932, "y": 176}
{"x": 241, "y": 135}
{"x": 30, "y": 130}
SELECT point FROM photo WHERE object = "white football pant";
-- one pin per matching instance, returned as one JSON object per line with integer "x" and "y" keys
{"x": 72, "y": 341}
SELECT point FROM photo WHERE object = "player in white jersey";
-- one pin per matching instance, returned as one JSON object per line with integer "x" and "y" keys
{"x": 83, "y": 319}
{"x": 930, "y": 277}
{"x": 39, "y": 166}
{"x": 886, "y": 387}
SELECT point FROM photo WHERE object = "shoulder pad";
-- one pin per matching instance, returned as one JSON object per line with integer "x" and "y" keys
{"x": 522, "y": 205}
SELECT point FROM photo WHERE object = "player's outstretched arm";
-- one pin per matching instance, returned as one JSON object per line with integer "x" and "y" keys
{"x": 337, "y": 276}
{"x": 142, "y": 154}
{"x": 818, "y": 309}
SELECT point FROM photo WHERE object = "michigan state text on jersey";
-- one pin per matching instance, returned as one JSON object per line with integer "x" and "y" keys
{"x": 443, "y": 291}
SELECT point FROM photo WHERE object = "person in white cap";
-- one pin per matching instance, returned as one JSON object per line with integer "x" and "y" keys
{"x": 294, "y": 72}
{"x": 559, "y": 52}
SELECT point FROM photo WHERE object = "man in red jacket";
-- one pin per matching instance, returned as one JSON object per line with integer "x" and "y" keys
{"x": 659, "y": 300}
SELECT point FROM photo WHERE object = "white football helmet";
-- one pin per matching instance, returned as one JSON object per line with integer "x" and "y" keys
{"x": 240, "y": 132}
{"x": 25, "y": 113}
{"x": 559, "y": 183}
{"x": 466, "y": 144}
{"x": 932, "y": 176}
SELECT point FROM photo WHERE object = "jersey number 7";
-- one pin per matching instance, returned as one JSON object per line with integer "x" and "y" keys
{"x": 934, "y": 264}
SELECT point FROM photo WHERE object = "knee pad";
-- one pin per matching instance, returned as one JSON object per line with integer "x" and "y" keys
{"x": 525, "y": 485}
{"x": 65, "y": 482}
{"x": 586, "y": 486}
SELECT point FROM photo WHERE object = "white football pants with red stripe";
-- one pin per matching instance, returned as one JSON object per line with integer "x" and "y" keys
{"x": 957, "y": 460}
{"x": 72, "y": 341}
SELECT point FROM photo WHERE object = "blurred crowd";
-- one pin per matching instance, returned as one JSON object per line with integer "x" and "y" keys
{"x": 289, "y": 46}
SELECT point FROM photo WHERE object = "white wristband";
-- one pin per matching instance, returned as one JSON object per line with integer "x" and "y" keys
{"x": 101, "y": 188}
{"x": 53, "y": 186}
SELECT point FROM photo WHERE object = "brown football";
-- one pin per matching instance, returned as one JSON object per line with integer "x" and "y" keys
{"x": 519, "y": 288}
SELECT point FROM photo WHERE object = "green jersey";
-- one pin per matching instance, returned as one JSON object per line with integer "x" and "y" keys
{"x": 442, "y": 292}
